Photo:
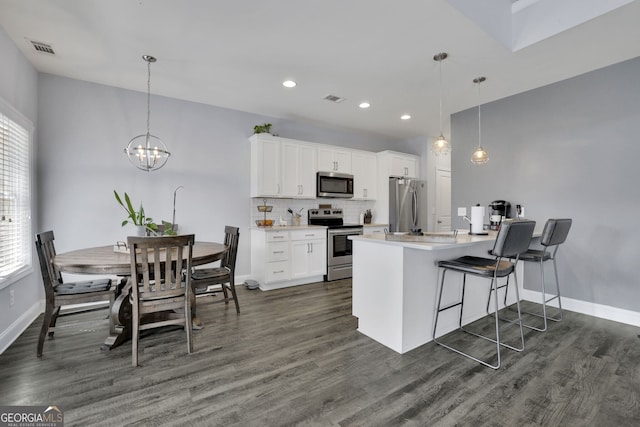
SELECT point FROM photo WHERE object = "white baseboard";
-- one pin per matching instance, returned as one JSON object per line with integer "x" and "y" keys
{"x": 9, "y": 335}
{"x": 591, "y": 309}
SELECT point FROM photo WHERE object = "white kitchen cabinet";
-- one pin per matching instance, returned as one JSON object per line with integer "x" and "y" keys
{"x": 298, "y": 170}
{"x": 333, "y": 159}
{"x": 392, "y": 163}
{"x": 265, "y": 166}
{"x": 369, "y": 230}
{"x": 308, "y": 253}
{"x": 288, "y": 256}
{"x": 404, "y": 165}
{"x": 364, "y": 167}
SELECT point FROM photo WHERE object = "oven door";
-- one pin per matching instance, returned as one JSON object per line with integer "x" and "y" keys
{"x": 339, "y": 247}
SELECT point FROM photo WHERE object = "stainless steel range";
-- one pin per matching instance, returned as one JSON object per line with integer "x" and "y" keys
{"x": 339, "y": 247}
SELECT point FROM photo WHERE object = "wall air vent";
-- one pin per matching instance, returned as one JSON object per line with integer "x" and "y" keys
{"x": 42, "y": 47}
{"x": 334, "y": 98}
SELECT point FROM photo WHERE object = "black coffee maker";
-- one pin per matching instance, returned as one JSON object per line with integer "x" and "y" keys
{"x": 500, "y": 209}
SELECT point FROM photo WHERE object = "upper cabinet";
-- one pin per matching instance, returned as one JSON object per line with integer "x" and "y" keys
{"x": 334, "y": 159}
{"x": 364, "y": 166}
{"x": 265, "y": 166}
{"x": 298, "y": 170}
{"x": 282, "y": 167}
{"x": 399, "y": 164}
{"x": 286, "y": 168}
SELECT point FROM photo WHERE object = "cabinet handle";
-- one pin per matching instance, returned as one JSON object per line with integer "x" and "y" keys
{"x": 279, "y": 271}
{"x": 308, "y": 247}
{"x": 278, "y": 252}
{"x": 364, "y": 192}
{"x": 309, "y": 235}
{"x": 406, "y": 171}
{"x": 278, "y": 237}
{"x": 278, "y": 188}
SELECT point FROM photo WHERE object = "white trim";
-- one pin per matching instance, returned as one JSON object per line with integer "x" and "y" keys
{"x": 589, "y": 308}
{"x": 9, "y": 335}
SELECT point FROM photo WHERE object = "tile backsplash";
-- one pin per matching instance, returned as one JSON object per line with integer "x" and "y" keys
{"x": 351, "y": 209}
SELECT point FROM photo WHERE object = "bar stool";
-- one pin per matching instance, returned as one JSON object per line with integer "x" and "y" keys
{"x": 554, "y": 234}
{"x": 513, "y": 239}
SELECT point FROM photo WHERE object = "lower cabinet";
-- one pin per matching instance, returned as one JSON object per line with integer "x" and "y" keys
{"x": 308, "y": 254}
{"x": 286, "y": 257}
{"x": 374, "y": 229}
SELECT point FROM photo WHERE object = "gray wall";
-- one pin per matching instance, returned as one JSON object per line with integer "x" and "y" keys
{"x": 18, "y": 88}
{"x": 84, "y": 128}
{"x": 569, "y": 149}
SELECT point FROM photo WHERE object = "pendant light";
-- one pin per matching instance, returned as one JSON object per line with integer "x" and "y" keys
{"x": 440, "y": 145}
{"x": 479, "y": 157}
{"x": 147, "y": 152}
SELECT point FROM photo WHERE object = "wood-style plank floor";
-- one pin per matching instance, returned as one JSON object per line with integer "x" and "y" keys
{"x": 294, "y": 357}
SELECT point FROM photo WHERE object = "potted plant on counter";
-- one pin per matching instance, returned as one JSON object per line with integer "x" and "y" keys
{"x": 144, "y": 224}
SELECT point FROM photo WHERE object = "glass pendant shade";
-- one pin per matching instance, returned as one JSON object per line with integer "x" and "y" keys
{"x": 147, "y": 152}
{"x": 479, "y": 157}
{"x": 441, "y": 146}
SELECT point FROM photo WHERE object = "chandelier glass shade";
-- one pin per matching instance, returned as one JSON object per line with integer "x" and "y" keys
{"x": 147, "y": 152}
{"x": 479, "y": 156}
{"x": 440, "y": 145}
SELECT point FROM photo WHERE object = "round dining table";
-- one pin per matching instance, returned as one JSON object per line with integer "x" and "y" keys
{"x": 106, "y": 260}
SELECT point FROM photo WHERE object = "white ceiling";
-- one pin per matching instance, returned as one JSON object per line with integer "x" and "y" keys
{"x": 236, "y": 53}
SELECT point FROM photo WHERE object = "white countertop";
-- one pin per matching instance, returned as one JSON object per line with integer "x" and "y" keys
{"x": 289, "y": 227}
{"x": 462, "y": 239}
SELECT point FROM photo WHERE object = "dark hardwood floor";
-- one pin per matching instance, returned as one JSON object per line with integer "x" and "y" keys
{"x": 294, "y": 357}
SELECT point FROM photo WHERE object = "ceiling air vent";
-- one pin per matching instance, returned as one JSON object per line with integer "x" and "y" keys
{"x": 42, "y": 47}
{"x": 334, "y": 98}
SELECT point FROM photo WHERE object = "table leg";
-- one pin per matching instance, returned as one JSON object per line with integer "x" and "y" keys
{"x": 120, "y": 332}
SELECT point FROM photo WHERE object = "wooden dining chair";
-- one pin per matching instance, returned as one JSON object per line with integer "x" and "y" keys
{"x": 224, "y": 275}
{"x": 59, "y": 293}
{"x": 160, "y": 288}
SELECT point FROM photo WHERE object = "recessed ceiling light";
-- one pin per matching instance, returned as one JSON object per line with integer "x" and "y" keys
{"x": 405, "y": 117}
{"x": 289, "y": 83}
{"x": 364, "y": 105}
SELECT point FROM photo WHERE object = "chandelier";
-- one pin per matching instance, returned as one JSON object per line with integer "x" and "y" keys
{"x": 440, "y": 145}
{"x": 147, "y": 152}
{"x": 479, "y": 157}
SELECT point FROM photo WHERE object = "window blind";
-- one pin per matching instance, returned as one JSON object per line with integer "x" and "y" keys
{"x": 15, "y": 206}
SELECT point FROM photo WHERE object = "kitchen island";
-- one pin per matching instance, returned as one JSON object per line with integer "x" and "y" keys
{"x": 395, "y": 285}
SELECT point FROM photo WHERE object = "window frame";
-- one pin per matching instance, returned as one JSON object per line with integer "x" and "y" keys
{"x": 8, "y": 111}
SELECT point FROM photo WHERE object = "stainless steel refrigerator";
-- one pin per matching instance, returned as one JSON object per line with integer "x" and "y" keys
{"x": 407, "y": 204}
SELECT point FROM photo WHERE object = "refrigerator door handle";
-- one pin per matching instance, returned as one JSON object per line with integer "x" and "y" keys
{"x": 415, "y": 209}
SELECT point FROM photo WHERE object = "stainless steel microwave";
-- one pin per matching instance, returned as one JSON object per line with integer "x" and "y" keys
{"x": 334, "y": 184}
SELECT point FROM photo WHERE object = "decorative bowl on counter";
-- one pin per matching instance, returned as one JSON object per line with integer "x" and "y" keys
{"x": 264, "y": 222}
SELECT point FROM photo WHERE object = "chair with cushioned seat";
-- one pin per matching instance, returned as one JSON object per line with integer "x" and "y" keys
{"x": 554, "y": 234}
{"x": 202, "y": 278}
{"x": 513, "y": 238}
{"x": 57, "y": 293}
